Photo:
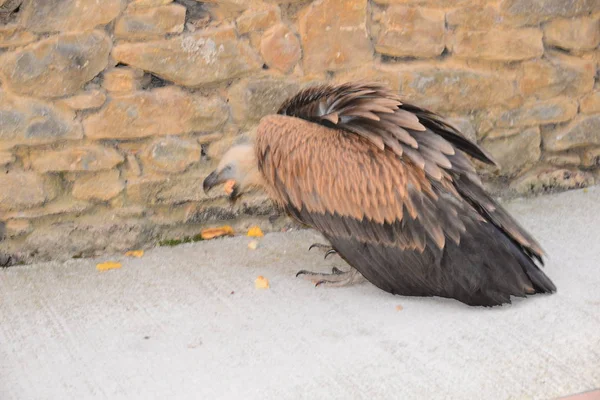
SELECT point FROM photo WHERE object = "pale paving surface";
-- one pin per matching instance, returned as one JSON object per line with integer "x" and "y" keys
{"x": 68, "y": 331}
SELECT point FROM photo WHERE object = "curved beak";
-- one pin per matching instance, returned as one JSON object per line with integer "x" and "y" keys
{"x": 210, "y": 181}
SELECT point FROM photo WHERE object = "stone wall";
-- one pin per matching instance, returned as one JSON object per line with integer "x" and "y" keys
{"x": 112, "y": 112}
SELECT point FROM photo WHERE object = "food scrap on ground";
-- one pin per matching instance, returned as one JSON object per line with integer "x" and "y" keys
{"x": 255, "y": 231}
{"x": 228, "y": 187}
{"x": 135, "y": 253}
{"x": 253, "y": 245}
{"x": 261, "y": 283}
{"x": 108, "y": 266}
{"x": 211, "y": 233}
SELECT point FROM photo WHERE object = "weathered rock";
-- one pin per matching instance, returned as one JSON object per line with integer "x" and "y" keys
{"x": 143, "y": 189}
{"x": 58, "y": 206}
{"x": 18, "y": 227}
{"x": 165, "y": 189}
{"x": 474, "y": 17}
{"x": 539, "y": 112}
{"x": 384, "y": 73}
{"x": 192, "y": 60}
{"x": 56, "y": 66}
{"x": 590, "y": 104}
{"x": 6, "y": 158}
{"x": 13, "y": 36}
{"x": 591, "y": 158}
{"x": 433, "y": 3}
{"x": 182, "y": 190}
{"x": 225, "y": 12}
{"x": 131, "y": 211}
{"x": 124, "y": 79}
{"x": 235, "y": 4}
{"x": 171, "y": 154}
{"x": 89, "y": 157}
{"x": 498, "y": 133}
{"x": 252, "y": 205}
{"x": 148, "y": 3}
{"x": 412, "y": 32}
{"x": 86, "y": 237}
{"x": 159, "y": 112}
{"x": 288, "y": 1}
{"x": 464, "y": 126}
{"x": 30, "y": 122}
{"x": 102, "y": 186}
{"x": 68, "y": 15}
{"x": 256, "y": 19}
{"x": 548, "y": 179}
{"x": 206, "y": 138}
{"x": 133, "y": 168}
{"x": 557, "y": 75}
{"x": 562, "y": 159}
{"x": 574, "y": 33}
{"x": 280, "y": 48}
{"x": 498, "y": 44}
{"x": 252, "y": 99}
{"x": 21, "y": 189}
{"x": 334, "y": 35}
{"x": 85, "y": 100}
{"x": 583, "y": 131}
{"x": 515, "y": 152}
{"x": 448, "y": 87}
{"x": 532, "y": 12}
{"x": 151, "y": 22}
{"x": 254, "y": 39}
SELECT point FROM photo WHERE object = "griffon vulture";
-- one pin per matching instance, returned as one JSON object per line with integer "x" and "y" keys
{"x": 390, "y": 186}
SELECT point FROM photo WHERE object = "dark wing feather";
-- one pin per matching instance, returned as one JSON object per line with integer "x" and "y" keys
{"x": 353, "y": 103}
{"x": 484, "y": 269}
{"x": 435, "y": 124}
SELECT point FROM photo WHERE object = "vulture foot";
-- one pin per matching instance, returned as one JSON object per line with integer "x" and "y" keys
{"x": 330, "y": 250}
{"x": 337, "y": 277}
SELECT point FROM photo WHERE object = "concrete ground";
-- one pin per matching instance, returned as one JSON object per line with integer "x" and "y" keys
{"x": 187, "y": 323}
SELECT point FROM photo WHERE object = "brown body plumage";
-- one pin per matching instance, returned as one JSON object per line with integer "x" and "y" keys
{"x": 390, "y": 186}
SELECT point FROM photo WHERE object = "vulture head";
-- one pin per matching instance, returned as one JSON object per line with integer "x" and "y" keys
{"x": 238, "y": 164}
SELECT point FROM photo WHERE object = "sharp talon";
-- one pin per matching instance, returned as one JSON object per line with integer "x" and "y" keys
{"x": 302, "y": 272}
{"x": 336, "y": 271}
{"x": 329, "y": 252}
{"x": 320, "y": 246}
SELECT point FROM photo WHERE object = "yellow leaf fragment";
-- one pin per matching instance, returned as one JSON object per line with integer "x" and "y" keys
{"x": 135, "y": 253}
{"x": 211, "y": 233}
{"x": 228, "y": 187}
{"x": 253, "y": 245}
{"x": 255, "y": 231}
{"x": 108, "y": 265}
{"x": 261, "y": 283}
